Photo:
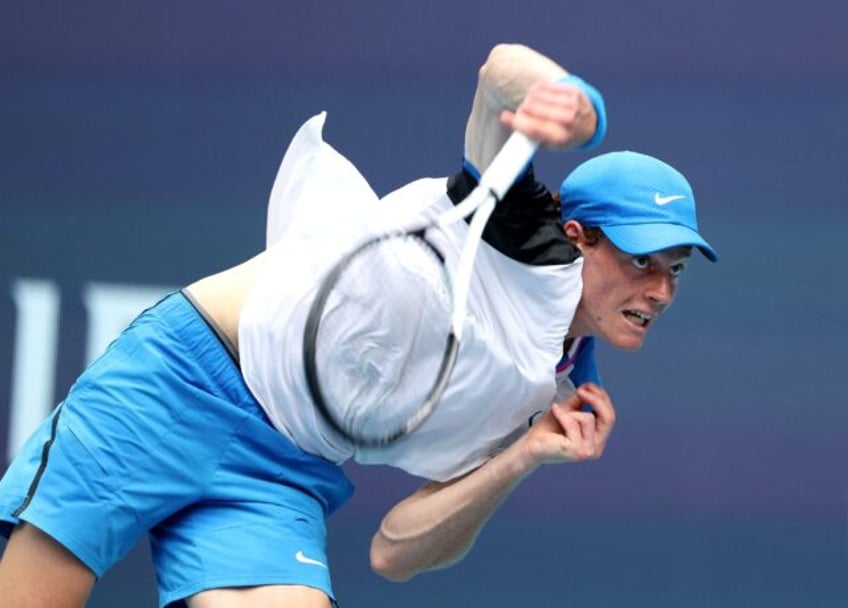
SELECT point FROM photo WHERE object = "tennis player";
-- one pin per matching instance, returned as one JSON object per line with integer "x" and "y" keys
{"x": 194, "y": 426}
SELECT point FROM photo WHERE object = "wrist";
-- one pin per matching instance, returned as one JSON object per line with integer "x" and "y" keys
{"x": 597, "y": 100}
{"x": 521, "y": 458}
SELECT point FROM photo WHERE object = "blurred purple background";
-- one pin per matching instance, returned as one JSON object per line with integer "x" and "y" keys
{"x": 139, "y": 142}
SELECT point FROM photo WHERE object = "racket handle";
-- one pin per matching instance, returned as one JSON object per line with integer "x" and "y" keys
{"x": 502, "y": 172}
{"x": 495, "y": 181}
{"x": 508, "y": 164}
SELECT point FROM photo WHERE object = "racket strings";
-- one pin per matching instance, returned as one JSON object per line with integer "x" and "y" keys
{"x": 382, "y": 335}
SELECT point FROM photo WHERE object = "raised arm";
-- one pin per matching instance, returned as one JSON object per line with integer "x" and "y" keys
{"x": 437, "y": 525}
{"x": 518, "y": 89}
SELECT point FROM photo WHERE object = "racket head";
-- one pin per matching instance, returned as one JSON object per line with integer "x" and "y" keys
{"x": 378, "y": 349}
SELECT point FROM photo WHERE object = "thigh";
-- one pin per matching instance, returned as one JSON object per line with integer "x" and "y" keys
{"x": 38, "y": 572}
{"x": 269, "y": 596}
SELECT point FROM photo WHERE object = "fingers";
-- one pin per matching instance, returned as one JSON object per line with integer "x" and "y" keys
{"x": 600, "y": 403}
{"x": 550, "y": 114}
{"x": 588, "y": 431}
{"x": 579, "y": 433}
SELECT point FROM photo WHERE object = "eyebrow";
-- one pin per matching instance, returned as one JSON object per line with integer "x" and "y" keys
{"x": 684, "y": 255}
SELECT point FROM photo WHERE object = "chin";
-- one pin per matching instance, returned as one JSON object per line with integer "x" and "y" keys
{"x": 629, "y": 347}
{"x": 627, "y": 343}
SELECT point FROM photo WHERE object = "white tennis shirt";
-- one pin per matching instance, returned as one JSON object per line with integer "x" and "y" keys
{"x": 518, "y": 314}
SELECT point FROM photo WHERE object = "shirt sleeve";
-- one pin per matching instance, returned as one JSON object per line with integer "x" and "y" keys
{"x": 525, "y": 225}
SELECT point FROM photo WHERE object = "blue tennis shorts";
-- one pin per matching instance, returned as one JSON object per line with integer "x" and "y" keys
{"x": 161, "y": 434}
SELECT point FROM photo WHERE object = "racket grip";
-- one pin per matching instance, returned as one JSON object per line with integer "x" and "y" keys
{"x": 508, "y": 164}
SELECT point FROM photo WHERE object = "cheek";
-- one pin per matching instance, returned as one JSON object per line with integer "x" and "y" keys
{"x": 607, "y": 284}
{"x": 600, "y": 296}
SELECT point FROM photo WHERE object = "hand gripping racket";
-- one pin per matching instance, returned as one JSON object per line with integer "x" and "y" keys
{"x": 383, "y": 331}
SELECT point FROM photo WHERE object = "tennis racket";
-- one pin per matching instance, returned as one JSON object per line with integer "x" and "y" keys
{"x": 383, "y": 331}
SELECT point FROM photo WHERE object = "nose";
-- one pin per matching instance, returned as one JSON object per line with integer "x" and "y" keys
{"x": 661, "y": 288}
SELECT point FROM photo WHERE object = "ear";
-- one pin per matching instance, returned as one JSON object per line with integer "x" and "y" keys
{"x": 574, "y": 232}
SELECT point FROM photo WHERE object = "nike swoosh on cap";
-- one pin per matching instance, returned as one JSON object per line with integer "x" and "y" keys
{"x": 665, "y": 200}
{"x": 299, "y": 556}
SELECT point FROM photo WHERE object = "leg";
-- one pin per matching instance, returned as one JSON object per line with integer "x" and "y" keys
{"x": 270, "y": 596}
{"x": 38, "y": 572}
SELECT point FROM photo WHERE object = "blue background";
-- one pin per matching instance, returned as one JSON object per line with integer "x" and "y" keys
{"x": 139, "y": 142}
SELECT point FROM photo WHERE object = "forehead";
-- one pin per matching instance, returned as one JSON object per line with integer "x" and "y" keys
{"x": 673, "y": 255}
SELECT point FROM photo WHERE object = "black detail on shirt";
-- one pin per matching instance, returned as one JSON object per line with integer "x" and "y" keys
{"x": 525, "y": 225}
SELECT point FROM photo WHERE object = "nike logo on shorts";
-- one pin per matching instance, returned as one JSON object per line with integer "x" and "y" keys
{"x": 299, "y": 556}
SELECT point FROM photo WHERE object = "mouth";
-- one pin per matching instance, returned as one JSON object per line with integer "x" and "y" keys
{"x": 639, "y": 318}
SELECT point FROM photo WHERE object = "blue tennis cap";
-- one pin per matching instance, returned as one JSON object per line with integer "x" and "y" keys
{"x": 642, "y": 204}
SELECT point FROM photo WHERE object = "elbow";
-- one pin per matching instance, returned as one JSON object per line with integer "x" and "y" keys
{"x": 499, "y": 55}
{"x": 505, "y": 52}
{"x": 390, "y": 565}
{"x": 397, "y": 565}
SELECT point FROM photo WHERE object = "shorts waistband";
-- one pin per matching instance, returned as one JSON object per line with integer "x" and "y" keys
{"x": 192, "y": 332}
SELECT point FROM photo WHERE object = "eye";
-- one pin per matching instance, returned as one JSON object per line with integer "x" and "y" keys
{"x": 641, "y": 262}
{"x": 677, "y": 269}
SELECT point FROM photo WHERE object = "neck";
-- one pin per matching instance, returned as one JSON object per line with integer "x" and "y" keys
{"x": 578, "y": 327}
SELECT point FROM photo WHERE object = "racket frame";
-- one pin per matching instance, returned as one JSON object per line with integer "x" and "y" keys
{"x": 504, "y": 169}
{"x": 310, "y": 334}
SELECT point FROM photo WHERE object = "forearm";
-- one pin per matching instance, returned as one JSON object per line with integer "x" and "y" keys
{"x": 437, "y": 525}
{"x": 521, "y": 90}
{"x": 503, "y": 81}
{"x": 509, "y": 72}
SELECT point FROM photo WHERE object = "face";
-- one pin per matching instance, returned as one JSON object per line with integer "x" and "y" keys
{"x": 623, "y": 294}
